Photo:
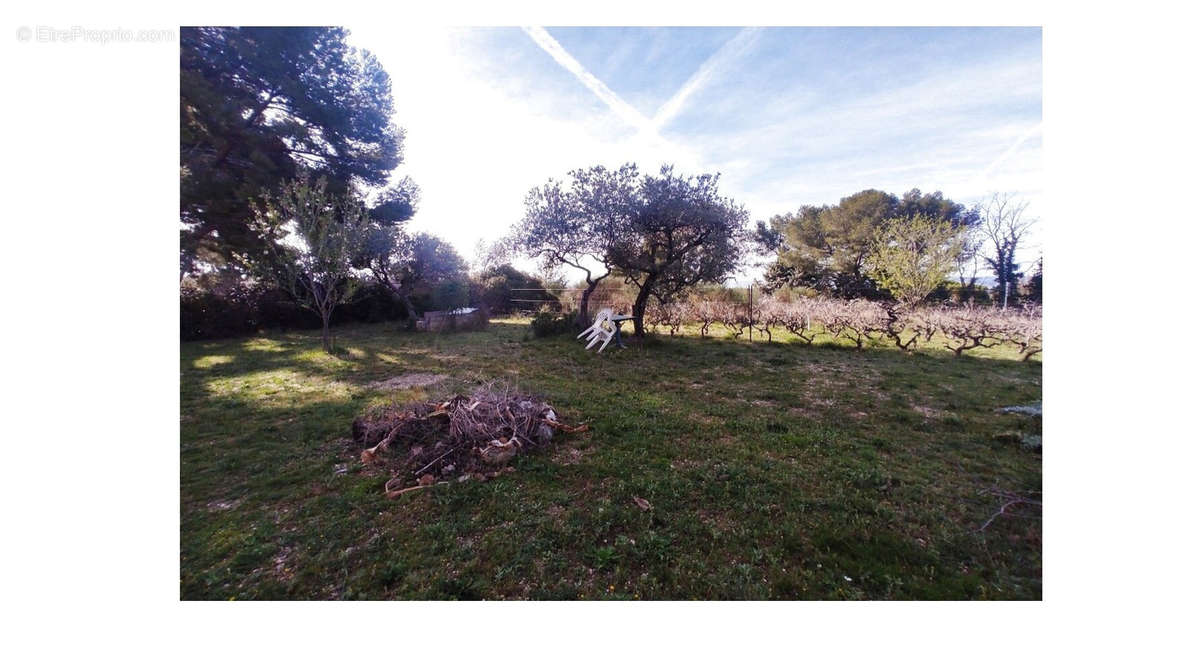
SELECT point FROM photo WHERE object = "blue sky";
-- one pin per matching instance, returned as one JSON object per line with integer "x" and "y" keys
{"x": 789, "y": 116}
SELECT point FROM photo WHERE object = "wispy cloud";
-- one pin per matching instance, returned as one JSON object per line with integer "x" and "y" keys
{"x": 728, "y": 52}
{"x": 648, "y": 146}
{"x": 789, "y": 117}
{"x": 1008, "y": 153}
{"x": 623, "y": 109}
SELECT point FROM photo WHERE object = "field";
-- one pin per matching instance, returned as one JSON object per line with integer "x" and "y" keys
{"x": 774, "y": 470}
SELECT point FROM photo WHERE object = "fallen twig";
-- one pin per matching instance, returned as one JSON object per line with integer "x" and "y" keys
{"x": 434, "y": 461}
{"x": 393, "y": 494}
{"x": 582, "y": 427}
{"x": 1012, "y": 499}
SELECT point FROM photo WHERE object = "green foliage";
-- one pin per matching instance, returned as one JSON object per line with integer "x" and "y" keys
{"x": 671, "y": 231}
{"x": 451, "y": 294}
{"x": 957, "y": 293}
{"x": 248, "y": 308}
{"x": 911, "y": 256}
{"x": 663, "y": 233}
{"x": 260, "y": 105}
{"x": 311, "y": 240}
{"x": 826, "y": 248}
{"x": 413, "y": 267}
{"x": 1033, "y": 287}
{"x": 718, "y": 292}
{"x": 499, "y": 288}
{"x": 547, "y": 323}
{"x": 572, "y": 226}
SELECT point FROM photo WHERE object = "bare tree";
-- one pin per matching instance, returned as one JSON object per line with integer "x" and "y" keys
{"x": 1004, "y": 225}
{"x": 967, "y": 262}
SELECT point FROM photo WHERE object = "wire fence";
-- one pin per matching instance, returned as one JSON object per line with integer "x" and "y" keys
{"x": 621, "y": 298}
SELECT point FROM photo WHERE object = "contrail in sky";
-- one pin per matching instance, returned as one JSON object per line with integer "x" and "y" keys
{"x": 1012, "y": 149}
{"x": 728, "y": 51}
{"x": 606, "y": 94}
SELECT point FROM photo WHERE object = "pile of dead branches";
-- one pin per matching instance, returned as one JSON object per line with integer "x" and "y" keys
{"x": 462, "y": 438}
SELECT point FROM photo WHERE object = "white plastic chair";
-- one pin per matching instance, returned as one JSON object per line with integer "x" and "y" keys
{"x": 601, "y": 331}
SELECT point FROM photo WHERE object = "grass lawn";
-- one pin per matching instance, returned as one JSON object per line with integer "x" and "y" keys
{"x": 775, "y": 470}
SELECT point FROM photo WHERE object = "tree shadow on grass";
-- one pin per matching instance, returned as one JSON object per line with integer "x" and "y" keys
{"x": 742, "y": 486}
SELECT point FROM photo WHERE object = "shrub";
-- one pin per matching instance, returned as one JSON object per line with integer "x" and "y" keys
{"x": 500, "y": 288}
{"x": 238, "y": 309}
{"x": 451, "y": 294}
{"x": 547, "y": 323}
{"x": 968, "y": 327}
{"x": 1022, "y": 328}
{"x": 856, "y": 320}
{"x": 371, "y": 303}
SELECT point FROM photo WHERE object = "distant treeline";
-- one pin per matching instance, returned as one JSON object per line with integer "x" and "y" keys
{"x": 214, "y": 306}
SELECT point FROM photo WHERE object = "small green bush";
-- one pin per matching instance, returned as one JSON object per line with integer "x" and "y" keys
{"x": 547, "y": 323}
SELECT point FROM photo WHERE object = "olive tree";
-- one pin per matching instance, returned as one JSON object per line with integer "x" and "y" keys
{"x": 672, "y": 232}
{"x": 575, "y": 225}
{"x": 402, "y": 262}
{"x": 313, "y": 238}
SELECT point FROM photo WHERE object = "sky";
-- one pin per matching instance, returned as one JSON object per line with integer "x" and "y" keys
{"x": 788, "y": 116}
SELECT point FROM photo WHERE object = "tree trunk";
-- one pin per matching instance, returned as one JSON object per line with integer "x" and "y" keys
{"x": 583, "y": 319}
{"x": 405, "y": 299}
{"x": 408, "y": 306}
{"x": 1007, "y": 273}
{"x": 639, "y": 308}
{"x": 326, "y": 337}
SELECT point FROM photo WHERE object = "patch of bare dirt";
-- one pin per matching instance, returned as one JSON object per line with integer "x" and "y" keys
{"x": 406, "y": 381}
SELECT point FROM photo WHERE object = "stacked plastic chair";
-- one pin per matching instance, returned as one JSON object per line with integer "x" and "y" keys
{"x": 601, "y": 331}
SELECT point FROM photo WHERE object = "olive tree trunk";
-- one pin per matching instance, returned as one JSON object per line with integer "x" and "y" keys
{"x": 639, "y": 307}
{"x": 583, "y": 318}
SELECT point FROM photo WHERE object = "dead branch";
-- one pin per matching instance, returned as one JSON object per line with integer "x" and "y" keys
{"x": 457, "y": 437}
{"x": 1011, "y": 499}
